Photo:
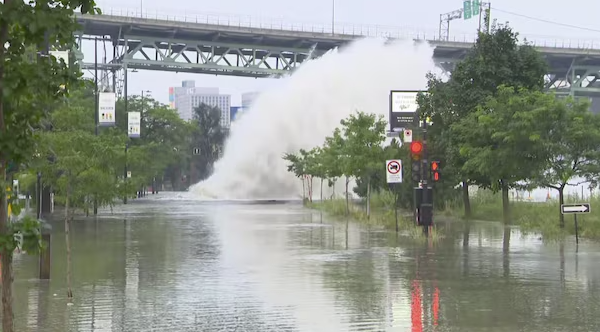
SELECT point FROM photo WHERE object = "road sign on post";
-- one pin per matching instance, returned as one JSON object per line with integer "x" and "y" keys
{"x": 394, "y": 171}
{"x": 575, "y": 208}
{"x": 403, "y": 109}
{"x": 467, "y": 10}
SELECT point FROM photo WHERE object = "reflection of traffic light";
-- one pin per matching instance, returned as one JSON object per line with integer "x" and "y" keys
{"x": 435, "y": 170}
{"x": 416, "y": 149}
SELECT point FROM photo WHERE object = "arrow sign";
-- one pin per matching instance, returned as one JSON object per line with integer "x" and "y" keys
{"x": 575, "y": 208}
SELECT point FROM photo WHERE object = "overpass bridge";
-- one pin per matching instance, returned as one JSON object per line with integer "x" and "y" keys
{"x": 208, "y": 47}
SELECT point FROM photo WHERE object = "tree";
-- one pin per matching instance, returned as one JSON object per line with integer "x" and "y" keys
{"x": 28, "y": 84}
{"x": 504, "y": 140}
{"x": 297, "y": 166}
{"x": 334, "y": 161}
{"x": 364, "y": 135}
{"x": 209, "y": 136}
{"x": 163, "y": 150}
{"x": 496, "y": 59}
{"x": 572, "y": 145}
{"x": 83, "y": 163}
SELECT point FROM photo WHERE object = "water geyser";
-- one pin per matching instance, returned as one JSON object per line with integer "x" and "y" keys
{"x": 304, "y": 108}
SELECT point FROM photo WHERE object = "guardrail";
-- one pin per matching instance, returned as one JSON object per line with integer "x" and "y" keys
{"x": 337, "y": 28}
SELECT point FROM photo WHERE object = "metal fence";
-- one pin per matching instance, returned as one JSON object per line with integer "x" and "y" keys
{"x": 400, "y": 32}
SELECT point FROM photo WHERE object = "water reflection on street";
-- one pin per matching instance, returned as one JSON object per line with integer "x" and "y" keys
{"x": 170, "y": 264}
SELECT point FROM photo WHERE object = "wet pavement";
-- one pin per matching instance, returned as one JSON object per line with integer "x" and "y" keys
{"x": 170, "y": 264}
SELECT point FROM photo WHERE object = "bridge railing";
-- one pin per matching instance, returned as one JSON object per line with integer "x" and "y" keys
{"x": 405, "y": 32}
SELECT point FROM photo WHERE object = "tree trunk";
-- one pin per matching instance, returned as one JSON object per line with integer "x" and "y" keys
{"x": 303, "y": 190}
{"x": 466, "y": 199}
{"x": 7, "y": 255}
{"x": 68, "y": 241}
{"x": 505, "y": 203}
{"x": 347, "y": 196}
{"x": 321, "y": 189}
{"x": 7, "y": 268}
{"x": 310, "y": 179}
{"x": 368, "y": 197}
{"x": 561, "y": 201}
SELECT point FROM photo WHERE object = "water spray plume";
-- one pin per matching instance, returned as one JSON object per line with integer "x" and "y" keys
{"x": 304, "y": 108}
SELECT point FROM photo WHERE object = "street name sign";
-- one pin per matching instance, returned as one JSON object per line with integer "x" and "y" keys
{"x": 575, "y": 208}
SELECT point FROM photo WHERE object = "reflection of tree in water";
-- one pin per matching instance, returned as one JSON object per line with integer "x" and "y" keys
{"x": 355, "y": 283}
{"x": 495, "y": 287}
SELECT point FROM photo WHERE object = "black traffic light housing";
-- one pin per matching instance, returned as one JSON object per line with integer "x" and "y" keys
{"x": 435, "y": 171}
{"x": 416, "y": 150}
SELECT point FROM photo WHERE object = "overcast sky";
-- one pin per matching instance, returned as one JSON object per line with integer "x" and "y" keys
{"x": 408, "y": 15}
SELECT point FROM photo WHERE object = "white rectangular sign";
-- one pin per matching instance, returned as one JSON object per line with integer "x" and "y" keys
{"x": 404, "y": 101}
{"x": 393, "y": 171}
{"x": 134, "y": 121}
{"x": 106, "y": 108}
{"x": 407, "y": 136}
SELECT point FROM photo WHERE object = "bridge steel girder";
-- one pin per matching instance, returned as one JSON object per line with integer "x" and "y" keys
{"x": 576, "y": 80}
{"x": 208, "y": 57}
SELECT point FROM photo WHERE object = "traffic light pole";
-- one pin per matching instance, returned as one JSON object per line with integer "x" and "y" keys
{"x": 425, "y": 182}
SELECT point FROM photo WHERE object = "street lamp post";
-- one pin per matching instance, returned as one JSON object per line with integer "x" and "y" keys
{"x": 147, "y": 92}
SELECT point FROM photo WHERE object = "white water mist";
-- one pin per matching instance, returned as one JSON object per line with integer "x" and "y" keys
{"x": 304, "y": 108}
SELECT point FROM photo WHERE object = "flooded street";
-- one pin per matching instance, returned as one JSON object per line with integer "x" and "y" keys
{"x": 168, "y": 264}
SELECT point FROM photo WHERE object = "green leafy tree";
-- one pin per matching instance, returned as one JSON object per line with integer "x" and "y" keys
{"x": 297, "y": 165}
{"x": 364, "y": 135}
{"x": 317, "y": 166}
{"x": 572, "y": 144}
{"x": 496, "y": 59}
{"x": 28, "y": 85}
{"x": 83, "y": 165}
{"x": 209, "y": 136}
{"x": 506, "y": 140}
{"x": 333, "y": 159}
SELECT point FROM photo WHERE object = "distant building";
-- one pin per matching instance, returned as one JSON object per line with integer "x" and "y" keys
{"x": 248, "y": 99}
{"x": 187, "y": 97}
{"x": 234, "y": 112}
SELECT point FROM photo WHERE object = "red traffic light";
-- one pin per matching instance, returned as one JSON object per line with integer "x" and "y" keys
{"x": 435, "y": 165}
{"x": 436, "y": 176}
{"x": 416, "y": 147}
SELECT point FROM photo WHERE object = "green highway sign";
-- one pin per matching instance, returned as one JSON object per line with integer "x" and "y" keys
{"x": 475, "y": 7}
{"x": 467, "y": 10}
{"x": 471, "y": 8}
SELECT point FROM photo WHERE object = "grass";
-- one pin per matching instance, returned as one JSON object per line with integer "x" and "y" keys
{"x": 538, "y": 217}
{"x": 381, "y": 215}
{"x": 542, "y": 217}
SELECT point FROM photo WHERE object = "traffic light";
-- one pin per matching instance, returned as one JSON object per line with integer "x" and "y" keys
{"x": 416, "y": 149}
{"x": 435, "y": 170}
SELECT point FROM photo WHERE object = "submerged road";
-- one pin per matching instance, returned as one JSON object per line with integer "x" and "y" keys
{"x": 170, "y": 264}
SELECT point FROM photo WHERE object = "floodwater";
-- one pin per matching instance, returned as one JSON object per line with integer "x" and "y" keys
{"x": 167, "y": 264}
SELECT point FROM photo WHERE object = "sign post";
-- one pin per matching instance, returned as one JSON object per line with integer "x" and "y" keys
{"x": 575, "y": 209}
{"x": 393, "y": 171}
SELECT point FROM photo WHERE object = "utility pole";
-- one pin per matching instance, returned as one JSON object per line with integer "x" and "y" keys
{"x": 426, "y": 209}
{"x": 333, "y": 17}
{"x": 126, "y": 142}
{"x": 96, "y": 104}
